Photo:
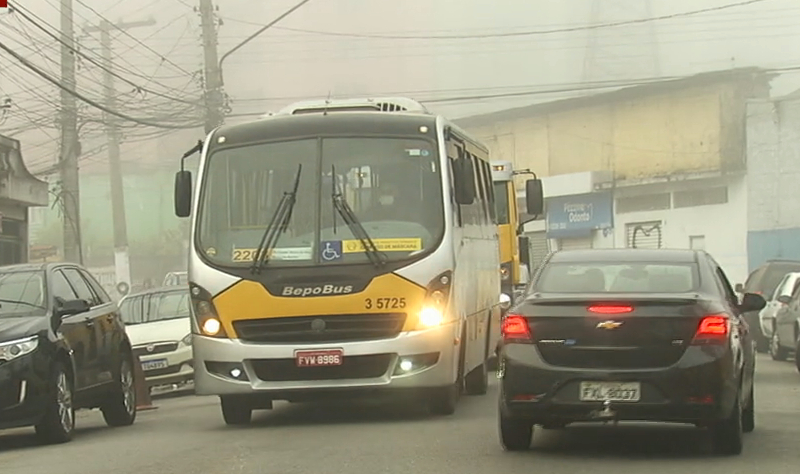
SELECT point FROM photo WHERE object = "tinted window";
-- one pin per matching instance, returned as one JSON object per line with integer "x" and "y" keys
{"x": 80, "y": 286}
{"x": 501, "y": 202}
{"x": 599, "y": 277}
{"x": 96, "y": 287}
{"x": 22, "y": 293}
{"x": 61, "y": 288}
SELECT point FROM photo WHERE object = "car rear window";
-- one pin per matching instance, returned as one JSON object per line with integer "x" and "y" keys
{"x": 600, "y": 277}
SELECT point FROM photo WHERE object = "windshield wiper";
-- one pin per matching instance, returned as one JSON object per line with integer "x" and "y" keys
{"x": 375, "y": 256}
{"x": 277, "y": 225}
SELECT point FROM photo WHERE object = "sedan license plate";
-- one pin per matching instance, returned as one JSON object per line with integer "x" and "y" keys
{"x": 155, "y": 364}
{"x": 319, "y": 358}
{"x": 612, "y": 391}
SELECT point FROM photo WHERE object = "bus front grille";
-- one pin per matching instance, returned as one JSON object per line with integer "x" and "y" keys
{"x": 326, "y": 328}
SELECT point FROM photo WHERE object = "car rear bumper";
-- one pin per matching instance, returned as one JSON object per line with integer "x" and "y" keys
{"x": 699, "y": 388}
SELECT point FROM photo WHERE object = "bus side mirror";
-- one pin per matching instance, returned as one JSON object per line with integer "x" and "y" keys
{"x": 534, "y": 197}
{"x": 464, "y": 185}
{"x": 183, "y": 193}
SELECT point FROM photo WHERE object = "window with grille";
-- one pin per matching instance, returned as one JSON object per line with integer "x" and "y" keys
{"x": 644, "y": 235}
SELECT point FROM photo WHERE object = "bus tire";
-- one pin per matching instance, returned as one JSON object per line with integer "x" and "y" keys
{"x": 443, "y": 401}
{"x": 477, "y": 381}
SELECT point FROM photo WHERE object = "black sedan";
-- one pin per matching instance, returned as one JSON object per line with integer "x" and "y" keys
{"x": 62, "y": 347}
{"x": 628, "y": 335}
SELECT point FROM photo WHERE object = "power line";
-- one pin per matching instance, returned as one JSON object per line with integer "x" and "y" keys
{"x": 531, "y": 32}
{"x": 21, "y": 12}
{"x": 83, "y": 98}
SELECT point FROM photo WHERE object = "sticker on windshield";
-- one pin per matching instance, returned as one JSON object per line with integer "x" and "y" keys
{"x": 330, "y": 250}
{"x": 385, "y": 245}
{"x": 288, "y": 253}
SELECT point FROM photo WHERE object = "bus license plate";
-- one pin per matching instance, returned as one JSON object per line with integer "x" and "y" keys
{"x": 319, "y": 358}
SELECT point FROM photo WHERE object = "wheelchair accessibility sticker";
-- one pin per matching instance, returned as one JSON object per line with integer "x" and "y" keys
{"x": 330, "y": 250}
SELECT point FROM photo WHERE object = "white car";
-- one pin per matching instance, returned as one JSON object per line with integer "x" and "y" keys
{"x": 158, "y": 326}
{"x": 779, "y": 298}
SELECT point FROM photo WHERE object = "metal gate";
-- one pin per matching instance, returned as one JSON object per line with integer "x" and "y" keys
{"x": 580, "y": 243}
{"x": 644, "y": 235}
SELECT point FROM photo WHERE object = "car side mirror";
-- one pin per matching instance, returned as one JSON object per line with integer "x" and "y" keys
{"x": 739, "y": 288}
{"x": 183, "y": 193}
{"x": 785, "y": 299}
{"x": 68, "y": 308}
{"x": 752, "y": 302}
{"x": 534, "y": 197}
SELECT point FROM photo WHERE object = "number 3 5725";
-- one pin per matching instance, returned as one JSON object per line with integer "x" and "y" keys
{"x": 385, "y": 303}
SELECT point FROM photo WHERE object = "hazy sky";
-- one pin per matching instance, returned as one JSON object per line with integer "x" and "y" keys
{"x": 310, "y": 54}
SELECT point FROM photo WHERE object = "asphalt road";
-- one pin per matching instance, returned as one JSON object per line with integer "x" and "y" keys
{"x": 186, "y": 435}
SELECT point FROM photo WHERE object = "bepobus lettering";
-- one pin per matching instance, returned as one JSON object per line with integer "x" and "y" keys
{"x": 320, "y": 290}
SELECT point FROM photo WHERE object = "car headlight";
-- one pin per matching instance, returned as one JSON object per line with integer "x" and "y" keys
{"x": 10, "y": 350}
{"x": 187, "y": 340}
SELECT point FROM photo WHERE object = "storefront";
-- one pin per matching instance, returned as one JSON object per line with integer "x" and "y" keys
{"x": 573, "y": 220}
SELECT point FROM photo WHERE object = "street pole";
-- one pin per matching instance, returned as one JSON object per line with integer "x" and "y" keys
{"x": 212, "y": 77}
{"x": 68, "y": 157}
{"x": 122, "y": 267}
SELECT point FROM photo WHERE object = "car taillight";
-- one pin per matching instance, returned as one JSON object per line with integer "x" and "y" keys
{"x": 712, "y": 330}
{"x": 610, "y": 309}
{"x": 515, "y": 329}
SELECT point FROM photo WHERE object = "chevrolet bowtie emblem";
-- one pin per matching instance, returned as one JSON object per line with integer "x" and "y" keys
{"x": 609, "y": 325}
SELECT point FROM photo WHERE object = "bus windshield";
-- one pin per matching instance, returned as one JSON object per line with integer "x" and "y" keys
{"x": 393, "y": 186}
{"x": 501, "y": 202}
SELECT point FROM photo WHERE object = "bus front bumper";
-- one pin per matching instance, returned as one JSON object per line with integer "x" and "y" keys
{"x": 413, "y": 360}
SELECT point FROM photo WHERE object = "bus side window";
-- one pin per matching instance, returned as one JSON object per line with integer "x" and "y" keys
{"x": 456, "y": 207}
{"x": 487, "y": 170}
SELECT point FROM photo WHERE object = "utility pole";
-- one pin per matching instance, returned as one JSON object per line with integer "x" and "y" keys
{"x": 68, "y": 159}
{"x": 212, "y": 81}
{"x": 122, "y": 267}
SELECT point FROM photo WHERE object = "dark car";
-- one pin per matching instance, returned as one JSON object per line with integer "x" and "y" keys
{"x": 628, "y": 335}
{"x": 62, "y": 347}
{"x": 786, "y": 328}
{"x": 763, "y": 281}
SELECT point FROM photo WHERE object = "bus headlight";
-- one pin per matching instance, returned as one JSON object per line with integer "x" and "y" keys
{"x": 430, "y": 317}
{"x": 205, "y": 314}
{"x": 434, "y": 310}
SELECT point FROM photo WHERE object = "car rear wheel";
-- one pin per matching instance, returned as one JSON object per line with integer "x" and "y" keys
{"x": 728, "y": 434}
{"x": 58, "y": 423}
{"x": 749, "y": 413}
{"x": 797, "y": 354}
{"x": 120, "y": 408}
{"x": 515, "y": 434}
{"x": 775, "y": 350}
{"x": 235, "y": 412}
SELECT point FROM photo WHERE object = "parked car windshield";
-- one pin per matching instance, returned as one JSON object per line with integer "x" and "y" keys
{"x": 153, "y": 307}
{"x": 22, "y": 294}
{"x": 598, "y": 277}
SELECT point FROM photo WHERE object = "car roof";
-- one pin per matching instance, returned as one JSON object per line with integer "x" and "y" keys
{"x": 625, "y": 255}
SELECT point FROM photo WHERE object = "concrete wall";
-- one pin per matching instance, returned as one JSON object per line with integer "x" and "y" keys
{"x": 773, "y": 161}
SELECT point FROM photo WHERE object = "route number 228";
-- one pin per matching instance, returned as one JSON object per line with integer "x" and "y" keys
{"x": 385, "y": 303}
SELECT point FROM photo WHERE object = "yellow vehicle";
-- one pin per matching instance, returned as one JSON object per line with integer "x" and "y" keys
{"x": 342, "y": 249}
{"x": 509, "y": 224}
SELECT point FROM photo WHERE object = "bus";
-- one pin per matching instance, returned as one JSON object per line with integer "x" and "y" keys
{"x": 514, "y": 249}
{"x": 342, "y": 249}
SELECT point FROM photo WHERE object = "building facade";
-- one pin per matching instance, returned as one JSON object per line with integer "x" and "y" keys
{"x": 660, "y": 165}
{"x": 773, "y": 149}
{"x": 19, "y": 191}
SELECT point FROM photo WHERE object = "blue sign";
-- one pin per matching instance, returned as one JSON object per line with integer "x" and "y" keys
{"x": 330, "y": 250}
{"x": 578, "y": 215}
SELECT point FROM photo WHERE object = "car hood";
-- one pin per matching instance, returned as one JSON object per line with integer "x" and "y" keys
{"x": 15, "y": 328}
{"x": 159, "y": 331}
